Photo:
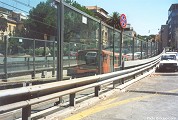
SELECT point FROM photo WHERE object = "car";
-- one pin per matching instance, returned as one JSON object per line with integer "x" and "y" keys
{"x": 91, "y": 57}
{"x": 168, "y": 62}
{"x": 143, "y": 54}
{"x": 176, "y": 53}
{"x": 72, "y": 53}
{"x": 136, "y": 56}
{"x": 1, "y": 55}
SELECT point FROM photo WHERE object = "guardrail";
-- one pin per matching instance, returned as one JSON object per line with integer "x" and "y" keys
{"x": 25, "y": 97}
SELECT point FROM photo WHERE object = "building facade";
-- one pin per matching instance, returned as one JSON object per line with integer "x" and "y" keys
{"x": 164, "y": 36}
{"x": 14, "y": 20}
{"x": 173, "y": 25}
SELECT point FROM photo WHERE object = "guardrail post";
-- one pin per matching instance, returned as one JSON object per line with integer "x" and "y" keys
{"x": 97, "y": 89}
{"x": 122, "y": 80}
{"x": 5, "y": 77}
{"x": 72, "y": 99}
{"x": 26, "y": 113}
{"x": 34, "y": 72}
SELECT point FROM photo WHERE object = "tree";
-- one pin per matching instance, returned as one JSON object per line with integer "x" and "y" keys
{"x": 114, "y": 20}
{"x": 3, "y": 25}
{"x": 41, "y": 20}
{"x": 80, "y": 7}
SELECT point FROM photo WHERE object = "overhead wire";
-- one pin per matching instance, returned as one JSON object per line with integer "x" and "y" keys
{"x": 22, "y": 3}
{"x": 27, "y": 13}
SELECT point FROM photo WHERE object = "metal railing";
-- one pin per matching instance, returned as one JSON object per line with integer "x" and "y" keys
{"x": 25, "y": 97}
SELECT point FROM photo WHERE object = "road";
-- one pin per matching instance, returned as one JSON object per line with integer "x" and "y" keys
{"x": 26, "y": 63}
{"x": 153, "y": 98}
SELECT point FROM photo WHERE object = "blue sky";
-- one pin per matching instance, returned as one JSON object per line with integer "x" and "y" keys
{"x": 143, "y": 15}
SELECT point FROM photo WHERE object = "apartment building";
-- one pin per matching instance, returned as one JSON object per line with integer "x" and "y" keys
{"x": 14, "y": 20}
{"x": 173, "y": 25}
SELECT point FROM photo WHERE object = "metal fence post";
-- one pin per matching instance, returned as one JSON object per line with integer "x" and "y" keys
{"x": 151, "y": 49}
{"x": 100, "y": 49}
{"x": 26, "y": 113}
{"x": 5, "y": 77}
{"x": 28, "y": 63}
{"x": 53, "y": 71}
{"x": 120, "y": 49}
{"x": 113, "y": 48}
{"x": 60, "y": 42}
{"x": 44, "y": 73}
{"x": 60, "y": 37}
{"x": 147, "y": 49}
{"x": 45, "y": 54}
{"x": 157, "y": 48}
{"x": 34, "y": 72}
{"x": 69, "y": 54}
{"x": 133, "y": 48}
{"x": 141, "y": 49}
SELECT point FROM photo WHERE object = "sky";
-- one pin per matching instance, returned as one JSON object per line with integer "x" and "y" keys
{"x": 145, "y": 16}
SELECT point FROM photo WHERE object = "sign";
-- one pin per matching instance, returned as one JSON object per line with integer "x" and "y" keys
{"x": 20, "y": 40}
{"x": 123, "y": 21}
{"x": 84, "y": 19}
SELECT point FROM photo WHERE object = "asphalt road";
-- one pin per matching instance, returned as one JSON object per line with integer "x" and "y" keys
{"x": 153, "y": 98}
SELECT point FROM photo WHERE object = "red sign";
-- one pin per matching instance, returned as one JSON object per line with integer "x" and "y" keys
{"x": 123, "y": 21}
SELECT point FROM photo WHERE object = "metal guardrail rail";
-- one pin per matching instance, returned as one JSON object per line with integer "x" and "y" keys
{"x": 25, "y": 97}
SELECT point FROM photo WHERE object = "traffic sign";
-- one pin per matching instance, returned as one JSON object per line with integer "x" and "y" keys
{"x": 123, "y": 21}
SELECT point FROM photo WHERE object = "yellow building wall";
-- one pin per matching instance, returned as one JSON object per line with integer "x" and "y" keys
{"x": 10, "y": 28}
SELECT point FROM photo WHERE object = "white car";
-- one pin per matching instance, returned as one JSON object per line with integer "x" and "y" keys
{"x": 143, "y": 54}
{"x": 168, "y": 62}
{"x": 176, "y": 53}
{"x": 136, "y": 56}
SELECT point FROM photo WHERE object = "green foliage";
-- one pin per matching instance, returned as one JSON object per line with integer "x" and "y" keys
{"x": 41, "y": 20}
{"x": 80, "y": 7}
{"x": 114, "y": 20}
{"x": 145, "y": 37}
{"x": 74, "y": 28}
{"x": 15, "y": 47}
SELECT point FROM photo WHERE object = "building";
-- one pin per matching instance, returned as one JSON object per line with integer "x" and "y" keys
{"x": 99, "y": 12}
{"x": 14, "y": 20}
{"x": 164, "y": 36}
{"x": 173, "y": 25}
{"x": 103, "y": 16}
